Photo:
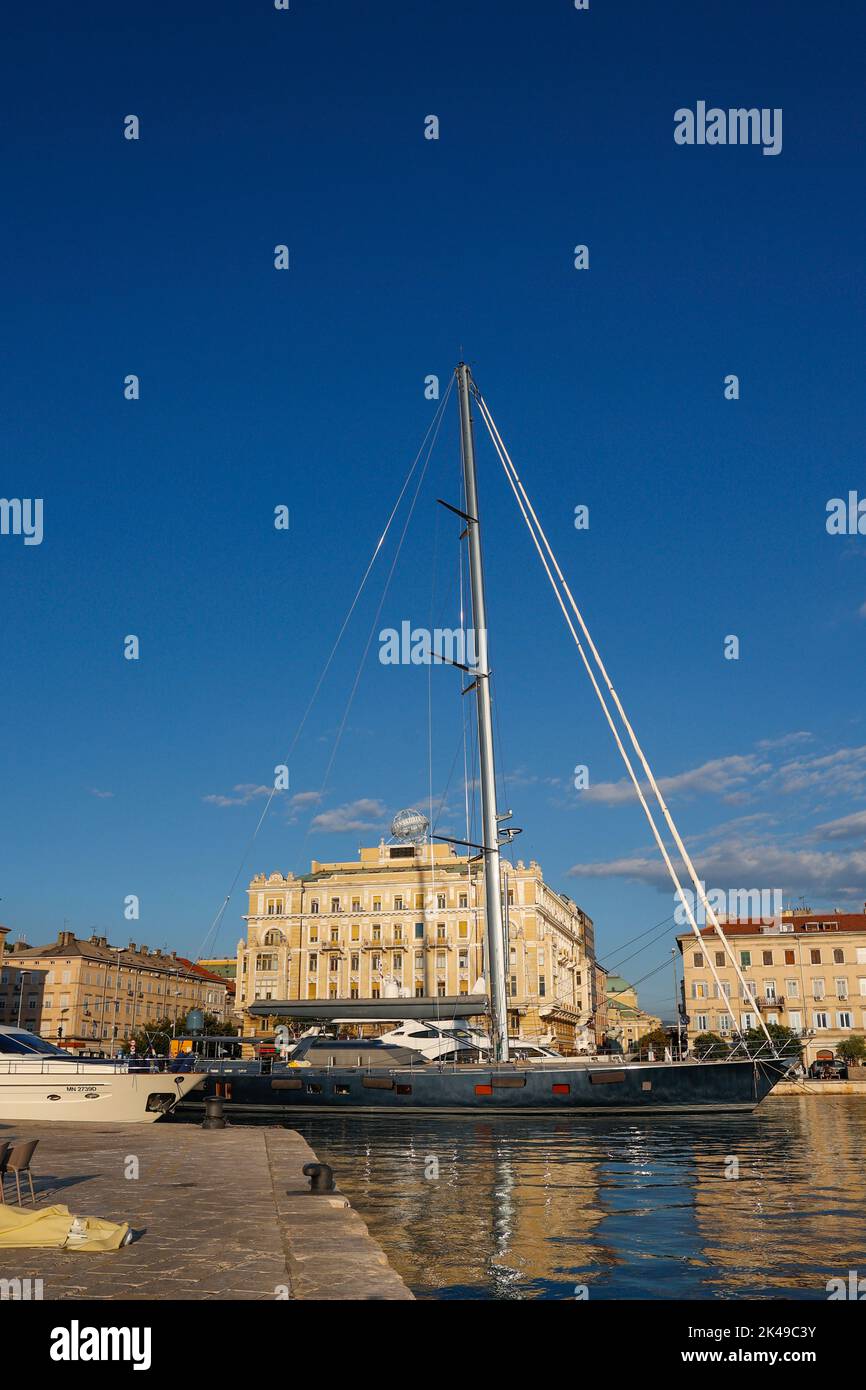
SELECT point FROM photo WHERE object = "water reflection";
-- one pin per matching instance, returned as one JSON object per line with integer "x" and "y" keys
{"x": 535, "y": 1208}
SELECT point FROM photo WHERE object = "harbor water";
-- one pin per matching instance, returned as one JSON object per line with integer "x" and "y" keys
{"x": 768, "y": 1205}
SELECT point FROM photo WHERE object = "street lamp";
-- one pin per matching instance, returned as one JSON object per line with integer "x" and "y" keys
{"x": 677, "y": 1009}
{"x": 118, "y": 950}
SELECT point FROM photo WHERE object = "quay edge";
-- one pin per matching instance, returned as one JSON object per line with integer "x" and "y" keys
{"x": 222, "y": 1215}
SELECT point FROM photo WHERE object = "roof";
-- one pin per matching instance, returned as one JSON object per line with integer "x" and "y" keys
{"x": 616, "y": 984}
{"x": 628, "y": 1010}
{"x": 801, "y": 925}
{"x": 446, "y": 1007}
{"x": 96, "y": 948}
{"x": 205, "y": 974}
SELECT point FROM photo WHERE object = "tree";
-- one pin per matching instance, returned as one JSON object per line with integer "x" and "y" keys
{"x": 159, "y": 1033}
{"x": 785, "y": 1040}
{"x": 710, "y": 1045}
{"x": 213, "y": 1024}
{"x": 853, "y": 1049}
{"x": 156, "y": 1034}
{"x": 655, "y": 1041}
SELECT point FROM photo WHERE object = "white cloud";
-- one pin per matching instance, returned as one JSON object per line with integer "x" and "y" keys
{"x": 521, "y": 778}
{"x": 742, "y": 777}
{"x": 363, "y": 814}
{"x": 842, "y": 773}
{"x": 802, "y": 736}
{"x": 736, "y": 864}
{"x": 95, "y": 791}
{"x": 300, "y": 802}
{"x": 305, "y": 798}
{"x": 851, "y": 827}
{"x": 635, "y": 867}
{"x": 716, "y": 777}
{"x": 751, "y": 851}
{"x": 245, "y": 792}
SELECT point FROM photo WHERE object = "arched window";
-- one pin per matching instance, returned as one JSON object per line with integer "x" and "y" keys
{"x": 273, "y": 938}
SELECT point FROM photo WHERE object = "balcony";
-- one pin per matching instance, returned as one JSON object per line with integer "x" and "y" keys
{"x": 764, "y": 1003}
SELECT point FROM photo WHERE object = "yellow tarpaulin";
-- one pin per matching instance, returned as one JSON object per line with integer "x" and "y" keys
{"x": 52, "y": 1227}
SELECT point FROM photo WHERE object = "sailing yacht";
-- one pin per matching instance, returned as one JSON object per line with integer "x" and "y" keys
{"x": 39, "y": 1081}
{"x": 385, "y": 1075}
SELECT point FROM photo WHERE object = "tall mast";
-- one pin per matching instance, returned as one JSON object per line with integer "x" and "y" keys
{"x": 495, "y": 936}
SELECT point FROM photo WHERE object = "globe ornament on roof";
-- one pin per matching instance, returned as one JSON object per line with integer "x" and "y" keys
{"x": 410, "y": 827}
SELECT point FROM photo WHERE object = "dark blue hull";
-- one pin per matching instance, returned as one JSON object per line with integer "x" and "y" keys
{"x": 634, "y": 1088}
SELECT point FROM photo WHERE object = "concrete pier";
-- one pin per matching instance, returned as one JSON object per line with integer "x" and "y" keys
{"x": 808, "y": 1087}
{"x": 220, "y": 1214}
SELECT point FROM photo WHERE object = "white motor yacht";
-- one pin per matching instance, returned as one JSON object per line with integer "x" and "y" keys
{"x": 39, "y": 1081}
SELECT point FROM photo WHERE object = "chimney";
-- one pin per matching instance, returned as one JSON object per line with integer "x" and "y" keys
{"x": 65, "y": 938}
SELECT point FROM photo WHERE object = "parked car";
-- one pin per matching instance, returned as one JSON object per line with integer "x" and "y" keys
{"x": 829, "y": 1069}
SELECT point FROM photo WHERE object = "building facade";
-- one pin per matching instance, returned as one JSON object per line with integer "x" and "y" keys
{"x": 225, "y": 968}
{"x": 21, "y": 988}
{"x": 627, "y": 1022}
{"x": 407, "y": 920}
{"x": 806, "y": 970}
{"x": 95, "y": 996}
{"x": 600, "y": 1019}
{"x": 218, "y": 993}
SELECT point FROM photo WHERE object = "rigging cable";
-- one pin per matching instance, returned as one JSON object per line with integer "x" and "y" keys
{"x": 385, "y": 589}
{"x": 527, "y": 509}
{"x": 625, "y": 944}
{"x": 213, "y": 929}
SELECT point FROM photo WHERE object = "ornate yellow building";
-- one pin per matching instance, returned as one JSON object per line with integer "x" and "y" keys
{"x": 407, "y": 920}
{"x": 627, "y": 1022}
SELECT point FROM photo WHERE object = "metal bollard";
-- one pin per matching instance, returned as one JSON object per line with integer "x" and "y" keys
{"x": 321, "y": 1177}
{"x": 214, "y": 1117}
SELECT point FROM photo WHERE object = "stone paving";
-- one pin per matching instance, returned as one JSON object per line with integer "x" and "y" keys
{"x": 217, "y": 1214}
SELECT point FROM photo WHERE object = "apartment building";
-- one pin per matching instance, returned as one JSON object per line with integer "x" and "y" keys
{"x": 91, "y": 993}
{"x": 21, "y": 988}
{"x": 806, "y": 970}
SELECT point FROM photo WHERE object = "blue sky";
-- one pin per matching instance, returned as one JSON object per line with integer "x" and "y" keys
{"x": 305, "y": 388}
